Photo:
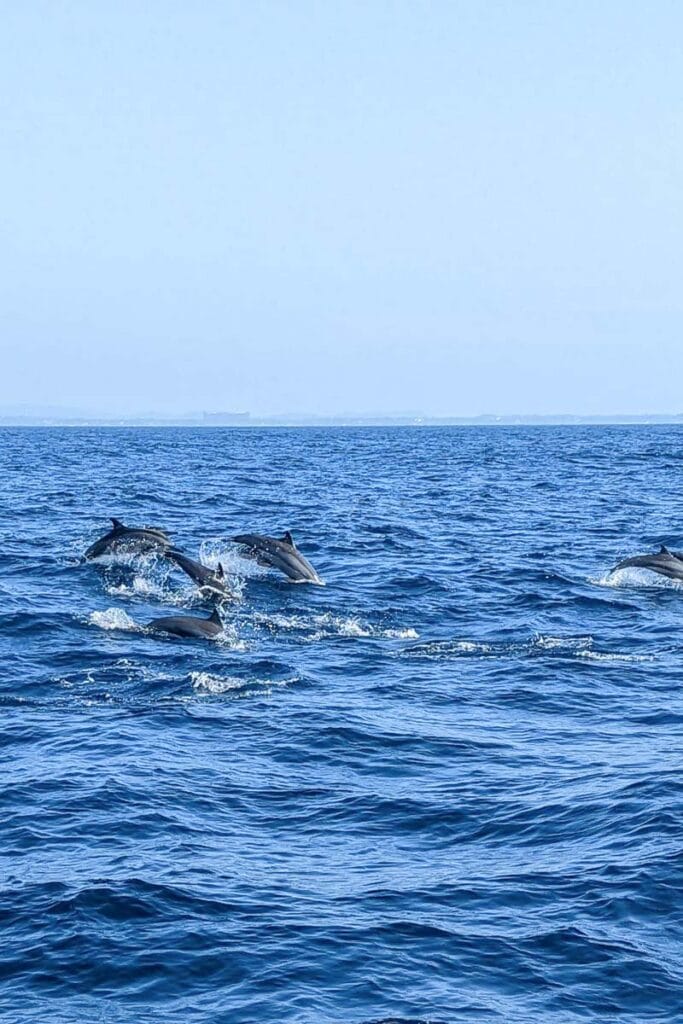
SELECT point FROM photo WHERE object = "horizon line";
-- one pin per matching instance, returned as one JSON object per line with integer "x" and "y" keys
{"x": 247, "y": 421}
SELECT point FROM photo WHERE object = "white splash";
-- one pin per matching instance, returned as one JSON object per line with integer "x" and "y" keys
{"x": 605, "y": 656}
{"x": 562, "y": 643}
{"x": 634, "y": 576}
{"x": 129, "y": 557}
{"x": 220, "y": 549}
{"x": 142, "y": 587}
{"x": 447, "y": 649}
{"x": 206, "y": 682}
{"x": 230, "y": 638}
{"x": 115, "y": 618}
{"x": 327, "y": 624}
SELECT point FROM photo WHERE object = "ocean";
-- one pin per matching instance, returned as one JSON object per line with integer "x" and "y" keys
{"x": 445, "y": 787}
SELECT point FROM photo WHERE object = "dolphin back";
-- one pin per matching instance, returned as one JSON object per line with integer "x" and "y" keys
{"x": 144, "y": 538}
{"x": 637, "y": 561}
{"x": 188, "y": 625}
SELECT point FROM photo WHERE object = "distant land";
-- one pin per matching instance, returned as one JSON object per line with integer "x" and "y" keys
{"x": 54, "y": 417}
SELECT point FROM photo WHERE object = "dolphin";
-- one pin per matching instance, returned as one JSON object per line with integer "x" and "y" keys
{"x": 665, "y": 562}
{"x": 189, "y": 625}
{"x": 281, "y": 553}
{"x": 211, "y": 583}
{"x": 138, "y": 538}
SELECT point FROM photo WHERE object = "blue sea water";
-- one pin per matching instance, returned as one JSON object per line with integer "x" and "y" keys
{"x": 445, "y": 787}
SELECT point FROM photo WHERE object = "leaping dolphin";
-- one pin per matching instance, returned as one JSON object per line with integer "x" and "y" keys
{"x": 281, "y": 553}
{"x": 211, "y": 583}
{"x": 137, "y": 538}
{"x": 666, "y": 563}
{"x": 189, "y": 625}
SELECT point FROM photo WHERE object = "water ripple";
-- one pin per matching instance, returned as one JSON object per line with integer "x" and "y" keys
{"x": 446, "y": 787}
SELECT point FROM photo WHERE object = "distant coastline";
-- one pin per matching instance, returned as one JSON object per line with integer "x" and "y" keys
{"x": 246, "y": 420}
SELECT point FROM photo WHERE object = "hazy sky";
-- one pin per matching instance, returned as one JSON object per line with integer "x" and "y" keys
{"x": 318, "y": 207}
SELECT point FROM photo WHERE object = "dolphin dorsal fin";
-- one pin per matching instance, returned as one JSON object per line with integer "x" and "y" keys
{"x": 220, "y": 571}
{"x": 288, "y": 539}
{"x": 117, "y": 524}
{"x": 215, "y": 617}
{"x": 664, "y": 550}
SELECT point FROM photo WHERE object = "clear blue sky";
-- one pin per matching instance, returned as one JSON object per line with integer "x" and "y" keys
{"x": 319, "y": 207}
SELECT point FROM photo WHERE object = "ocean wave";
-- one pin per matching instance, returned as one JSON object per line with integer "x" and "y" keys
{"x": 447, "y": 788}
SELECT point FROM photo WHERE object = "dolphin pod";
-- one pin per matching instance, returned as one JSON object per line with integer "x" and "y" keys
{"x": 280, "y": 553}
{"x": 666, "y": 563}
{"x": 276, "y": 552}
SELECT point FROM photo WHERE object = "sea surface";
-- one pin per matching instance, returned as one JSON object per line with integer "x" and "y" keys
{"x": 445, "y": 787}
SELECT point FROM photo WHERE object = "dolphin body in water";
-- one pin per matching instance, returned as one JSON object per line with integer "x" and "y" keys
{"x": 666, "y": 563}
{"x": 189, "y": 625}
{"x": 134, "y": 538}
{"x": 280, "y": 553}
{"x": 211, "y": 583}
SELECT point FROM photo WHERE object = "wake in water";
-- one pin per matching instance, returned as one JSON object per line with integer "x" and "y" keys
{"x": 208, "y": 683}
{"x": 535, "y": 647}
{"x": 327, "y": 624}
